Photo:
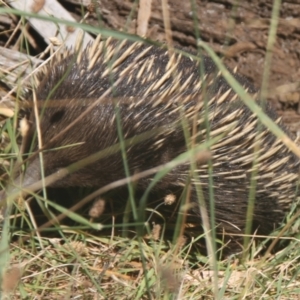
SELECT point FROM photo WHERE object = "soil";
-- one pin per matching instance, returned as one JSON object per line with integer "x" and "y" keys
{"x": 236, "y": 30}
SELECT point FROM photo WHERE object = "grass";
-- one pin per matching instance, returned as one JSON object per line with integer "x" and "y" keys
{"x": 92, "y": 260}
{"x": 111, "y": 268}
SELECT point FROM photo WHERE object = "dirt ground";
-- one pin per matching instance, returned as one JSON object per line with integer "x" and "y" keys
{"x": 237, "y": 32}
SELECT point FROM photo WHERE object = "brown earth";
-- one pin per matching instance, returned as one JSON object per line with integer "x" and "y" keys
{"x": 237, "y": 32}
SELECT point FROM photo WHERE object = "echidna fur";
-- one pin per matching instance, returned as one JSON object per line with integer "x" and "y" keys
{"x": 153, "y": 90}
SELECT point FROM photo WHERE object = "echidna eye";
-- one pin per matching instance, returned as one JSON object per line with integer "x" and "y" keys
{"x": 57, "y": 116}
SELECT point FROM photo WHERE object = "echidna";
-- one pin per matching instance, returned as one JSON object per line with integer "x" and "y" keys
{"x": 143, "y": 90}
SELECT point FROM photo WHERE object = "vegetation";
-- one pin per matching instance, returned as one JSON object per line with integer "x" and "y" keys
{"x": 106, "y": 258}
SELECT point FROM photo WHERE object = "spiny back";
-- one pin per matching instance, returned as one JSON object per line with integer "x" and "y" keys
{"x": 136, "y": 69}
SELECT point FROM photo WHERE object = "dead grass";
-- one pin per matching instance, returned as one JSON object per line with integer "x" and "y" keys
{"x": 82, "y": 266}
